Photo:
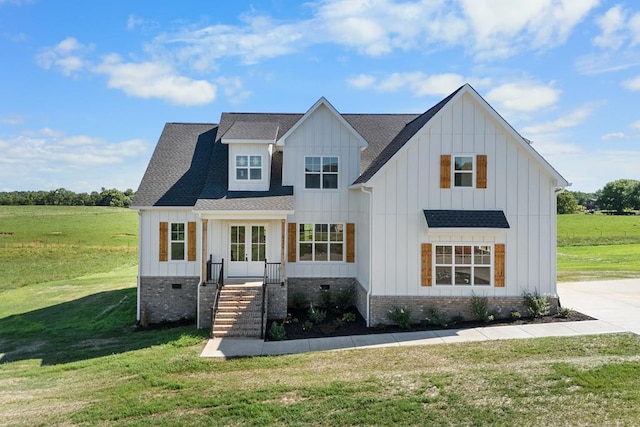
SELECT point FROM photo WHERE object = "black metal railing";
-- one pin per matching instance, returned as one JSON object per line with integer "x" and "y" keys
{"x": 215, "y": 271}
{"x": 271, "y": 275}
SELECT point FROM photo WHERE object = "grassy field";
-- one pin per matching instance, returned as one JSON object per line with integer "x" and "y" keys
{"x": 69, "y": 354}
{"x": 594, "y": 247}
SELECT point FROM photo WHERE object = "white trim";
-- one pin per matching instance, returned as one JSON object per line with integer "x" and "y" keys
{"x": 248, "y": 215}
{"x": 452, "y": 245}
{"x": 321, "y": 173}
{"x": 185, "y": 233}
{"x": 313, "y": 242}
{"x": 323, "y": 101}
{"x": 454, "y": 171}
{"x": 247, "y": 141}
{"x": 248, "y": 168}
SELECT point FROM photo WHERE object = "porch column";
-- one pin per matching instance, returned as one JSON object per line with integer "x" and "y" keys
{"x": 205, "y": 223}
{"x": 283, "y": 227}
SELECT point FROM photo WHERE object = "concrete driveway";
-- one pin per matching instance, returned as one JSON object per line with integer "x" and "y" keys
{"x": 614, "y": 301}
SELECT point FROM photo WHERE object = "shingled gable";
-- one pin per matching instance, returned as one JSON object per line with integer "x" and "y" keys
{"x": 465, "y": 219}
{"x": 323, "y": 101}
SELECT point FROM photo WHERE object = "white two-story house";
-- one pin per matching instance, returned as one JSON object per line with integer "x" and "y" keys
{"x": 413, "y": 210}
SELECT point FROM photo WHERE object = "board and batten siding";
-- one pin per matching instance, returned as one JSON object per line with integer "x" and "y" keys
{"x": 149, "y": 259}
{"x": 516, "y": 184}
{"x": 323, "y": 134}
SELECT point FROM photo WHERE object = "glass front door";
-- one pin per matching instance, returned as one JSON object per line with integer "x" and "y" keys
{"x": 248, "y": 250}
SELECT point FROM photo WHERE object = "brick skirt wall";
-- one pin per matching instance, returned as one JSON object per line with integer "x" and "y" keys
{"x": 451, "y": 306}
{"x": 311, "y": 287}
{"x": 168, "y": 299}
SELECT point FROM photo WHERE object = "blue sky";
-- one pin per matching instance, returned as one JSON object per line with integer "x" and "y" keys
{"x": 86, "y": 87}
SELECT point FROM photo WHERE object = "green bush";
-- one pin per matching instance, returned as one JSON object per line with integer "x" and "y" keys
{"x": 317, "y": 315}
{"x": 277, "y": 332}
{"x": 564, "y": 312}
{"x": 326, "y": 298}
{"x": 515, "y": 315}
{"x": 346, "y": 297}
{"x": 300, "y": 301}
{"x": 401, "y": 316}
{"x": 436, "y": 317}
{"x": 480, "y": 309}
{"x": 349, "y": 317}
{"x": 537, "y": 305}
{"x": 307, "y": 325}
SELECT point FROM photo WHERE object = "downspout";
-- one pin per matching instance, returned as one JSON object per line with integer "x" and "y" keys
{"x": 370, "y": 193}
{"x": 200, "y": 268}
{"x": 139, "y": 266}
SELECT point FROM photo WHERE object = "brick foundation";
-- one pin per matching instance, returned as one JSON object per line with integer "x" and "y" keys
{"x": 451, "y": 306}
{"x": 207, "y": 299}
{"x": 310, "y": 287}
{"x": 167, "y": 299}
{"x": 276, "y": 301}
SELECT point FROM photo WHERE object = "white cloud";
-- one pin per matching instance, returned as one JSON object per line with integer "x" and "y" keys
{"x": 12, "y": 120}
{"x": 632, "y": 84}
{"x": 634, "y": 27}
{"x": 523, "y": 97}
{"x": 133, "y": 22}
{"x": 361, "y": 81}
{"x": 570, "y": 120}
{"x": 66, "y": 56}
{"x": 418, "y": 83}
{"x": 612, "y": 24}
{"x": 233, "y": 89}
{"x": 613, "y": 135}
{"x": 155, "y": 80}
{"x": 635, "y": 125}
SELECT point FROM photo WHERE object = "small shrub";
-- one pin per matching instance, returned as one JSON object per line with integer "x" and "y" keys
{"x": 515, "y": 315}
{"x": 317, "y": 315}
{"x": 326, "y": 298}
{"x": 345, "y": 297}
{"x": 339, "y": 323}
{"x": 458, "y": 318}
{"x": 436, "y": 317}
{"x": 328, "y": 328}
{"x": 401, "y": 316}
{"x": 307, "y": 325}
{"x": 349, "y": 317}
{"x": 300, "y": 301}
{"x": 537, "y": 305}
{"x": 564, "y": 312}
{"x": 277, "y": 332}
{"x": 480, "y": 309}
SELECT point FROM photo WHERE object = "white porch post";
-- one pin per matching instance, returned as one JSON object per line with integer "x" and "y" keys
{"x": 282, "y": 250}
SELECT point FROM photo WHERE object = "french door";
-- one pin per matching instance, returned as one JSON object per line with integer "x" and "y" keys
{"x": 247, "y": 250}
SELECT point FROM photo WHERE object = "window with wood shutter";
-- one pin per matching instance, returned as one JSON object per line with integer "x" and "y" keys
{"x": 499, "y": 265}
{"x": 481, "y": 174}
{"x": 445, "y": 171}
{"x": 191, "y": 241}
{"x": 351, "y": 242}
{"x": 426, "y": 264}
{"x": 164, "y": 242}
{"x": 291, "y": 241}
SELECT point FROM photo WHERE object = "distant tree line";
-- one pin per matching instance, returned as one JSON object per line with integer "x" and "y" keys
{"x": 618, "y": 196}
{"x": 63, "y": 197}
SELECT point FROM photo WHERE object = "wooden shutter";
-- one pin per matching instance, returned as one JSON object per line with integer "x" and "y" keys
{"x": 351, "y": 242}
{"x": 292, "y": 241}
{"x": 445, "y": 171}
{"x": 426, "y": 264}
{"x": 499, "y": 265}
{"x": 164, "y": 241}
{"x": 481, "y": 174}
{"x": 191, "y": 241}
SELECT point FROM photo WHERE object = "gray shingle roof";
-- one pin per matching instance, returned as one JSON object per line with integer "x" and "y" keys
{"x": 178, "y": 167}
{"x": 465, "y": 219}
{"x": 252, "y": 130}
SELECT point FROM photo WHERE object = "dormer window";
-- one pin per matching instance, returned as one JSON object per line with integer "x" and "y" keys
{"x": 321, "y": 172}
{"x": 249, "y": 168}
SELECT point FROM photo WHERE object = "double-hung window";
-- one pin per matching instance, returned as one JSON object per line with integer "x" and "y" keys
{"x": 321, "y": 172}
{"x": 248, "y": 168}
{"x": 463, "y": 265}
{"x": 321, "y": 242}
{"x": 463, "y": 171}
{"x": 177, "y": 241}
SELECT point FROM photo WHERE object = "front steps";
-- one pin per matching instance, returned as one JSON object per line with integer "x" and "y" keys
{"x": 239, "y": 312}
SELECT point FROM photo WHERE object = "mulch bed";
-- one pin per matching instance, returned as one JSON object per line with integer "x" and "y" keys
{"x": 296, "y": 329}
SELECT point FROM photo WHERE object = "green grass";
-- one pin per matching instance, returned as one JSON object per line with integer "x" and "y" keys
{"x": 45, "y": 243}
{"x": 69, "y": 355}
{"x": 598, "y": 247}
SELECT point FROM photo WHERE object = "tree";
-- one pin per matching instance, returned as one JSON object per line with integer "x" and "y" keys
{"x": 566, "y": 203}
{"x": 620, "y": 195}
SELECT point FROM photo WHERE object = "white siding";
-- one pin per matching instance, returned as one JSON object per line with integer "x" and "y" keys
{"x": 323, "y": 134}
{"x": 263, "y": 150}
{"x": 516, "y": 184}
{"x": 149, "y": 264}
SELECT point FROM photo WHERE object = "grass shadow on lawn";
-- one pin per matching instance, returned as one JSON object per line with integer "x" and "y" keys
{"x": 93, "y": 326}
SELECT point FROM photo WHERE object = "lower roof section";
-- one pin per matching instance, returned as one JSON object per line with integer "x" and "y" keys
{"x": 465, "y": 219}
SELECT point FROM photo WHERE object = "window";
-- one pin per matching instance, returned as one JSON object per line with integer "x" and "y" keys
{"x": 249, "y": 168}
{"x": 463, "y": 171}
{"x": 463, "y": 265}
{"x": 177, "y": 241}
{"x": 321, "y": 172}
{"x": 321, "y": 242}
